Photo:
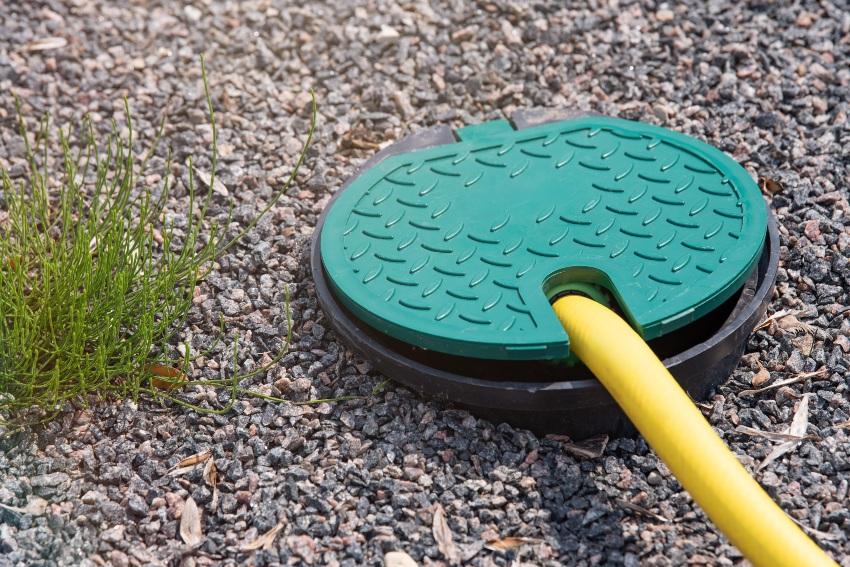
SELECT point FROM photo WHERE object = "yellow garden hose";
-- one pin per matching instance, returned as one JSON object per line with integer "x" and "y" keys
{"x": 680, "y": 435}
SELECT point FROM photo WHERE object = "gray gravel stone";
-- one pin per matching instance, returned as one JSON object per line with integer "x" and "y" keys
{"x": 349, "y": 481}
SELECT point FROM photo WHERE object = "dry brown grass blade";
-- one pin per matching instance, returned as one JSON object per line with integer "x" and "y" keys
{"x": 46, "y": 44}
{"x": 796, "y": 379}
{"x": 264, "y": 541}
{"x": 363, "y": 144}
{"x": 823, "y": 536}
{"x": 180, "y": 471}
{"x": 591, "y": 448}
{"x": 190, "y": 523}
{"x": 443, "y": 535}
{"x": 641, "y": 510}
{"x": 797, "y": 428}
{"x": 509, "y": 543}
{"x": 773, "y": 436}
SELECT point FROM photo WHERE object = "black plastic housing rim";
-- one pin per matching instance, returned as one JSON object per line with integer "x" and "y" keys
{"x": 579, "y": 407}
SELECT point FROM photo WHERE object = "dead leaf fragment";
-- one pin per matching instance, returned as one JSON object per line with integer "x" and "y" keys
{"x": 791, "y": 323}
{"x": 761, "y": 377}
{"x": 211, "y": 478}
{"x": 264, "y": 541}
{"x": 399, "y": 559}
{"x": 210, "y": 472}
{"x": 770, "y": 186}
{"x": 705, "y": 408}
{"x": 798, "y": 427}
{"x": 190, "y": 523}
{"x": 800, "y": 421}
{"x": 443, "y": 535}
{"x": 165, "y": 377}
{"x": 192, "y": 460}
{"x": 206, "y": 178}
{"x": 590, "y": 448}
{"x": 777, "y": 452}
{"x": 46, "y": 44}
{"x": 804, "y": 344}
{"x": 641, "y": 510}
{"x": 778, "y": 315}
{"x": 509, "y": 543}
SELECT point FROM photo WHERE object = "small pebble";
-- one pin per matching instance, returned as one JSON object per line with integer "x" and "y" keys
{"x": 349, "y": 482}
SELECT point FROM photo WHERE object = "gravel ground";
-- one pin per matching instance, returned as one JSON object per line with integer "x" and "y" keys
{"x": 349, "y": 481}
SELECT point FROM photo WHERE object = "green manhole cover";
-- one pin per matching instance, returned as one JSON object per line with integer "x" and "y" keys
{"x": 458, "y": 248}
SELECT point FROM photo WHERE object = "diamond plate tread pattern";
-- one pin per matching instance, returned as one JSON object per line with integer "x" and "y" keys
{"x": 449, "y": 247}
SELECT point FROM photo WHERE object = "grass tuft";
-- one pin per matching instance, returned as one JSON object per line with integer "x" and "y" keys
{"x": 94, "y": 280}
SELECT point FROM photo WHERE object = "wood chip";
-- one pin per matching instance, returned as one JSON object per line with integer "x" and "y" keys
{"x": 799, "y": 378}
{"x": 509, "y": 543}
{"x": 264, "y": 541}
{"x": 591, "y": 448}
{"x": 46, "y": 44}
{"x": 398, "y": 559}
{"x": 798, "y": 427}
{"x": 190, "y": 523}
{"x": 443, "y": 535}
